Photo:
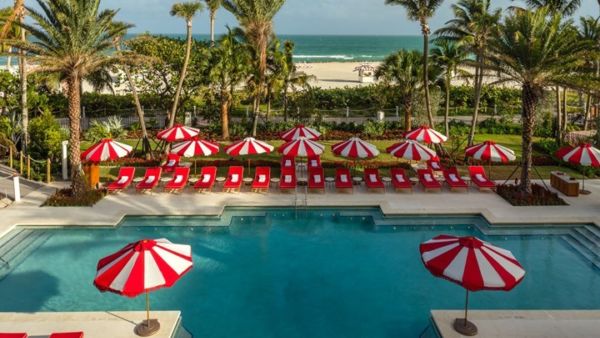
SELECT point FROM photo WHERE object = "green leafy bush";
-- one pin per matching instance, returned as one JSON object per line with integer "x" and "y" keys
{"x": 46, "y": 137}
{"x": 374, "y": 128}
{"x": 111, "y": 128}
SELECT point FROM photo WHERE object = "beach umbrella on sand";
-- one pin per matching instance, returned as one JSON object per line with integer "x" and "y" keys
{"x": 106, "y": 150}
{"x": 248, "y": 146}
{"x": 300, "y": 131}
{"x": 473, "y": 264}
{"x": 177, "y": 133}
{"x": 412, "y": 151}
{"x": 302, "y": 147}
{"x": 426, "y": 135}
{"x": 584, "y": 155}
{"x": 195, "y": 147}
{"x": 141, "y": 267}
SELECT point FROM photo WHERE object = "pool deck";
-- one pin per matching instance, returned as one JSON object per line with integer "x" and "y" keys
{"x": 118, "y": 324}
{"x": 530, "y": 324}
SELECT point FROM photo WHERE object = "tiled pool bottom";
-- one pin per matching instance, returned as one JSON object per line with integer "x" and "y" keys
{"x": 281, "y": 273}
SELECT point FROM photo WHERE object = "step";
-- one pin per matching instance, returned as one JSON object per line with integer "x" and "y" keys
{"x": 585, "y": 242}
{"x": 589, "y": 236}
{"x": 593, "y": 229}
{"x": 586, "y": 253}
{"x": 19, "y": 251}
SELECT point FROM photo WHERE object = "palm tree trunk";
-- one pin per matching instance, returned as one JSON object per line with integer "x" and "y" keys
{"x": 225, "y": 115}
{"x": 285, "y": 102}
{"x": 558, "y": 117}
{"x": 564, "y": 109}
{"x": 447, "y": 111}
{"x": 588, "y": 103}
{"x": 425, "y": 29}
{"x": 407, "y": 115}
{"x": 478, "y": 86}
{"x": 186, "y": 61}
{"x": 212, "y": 28}
{"x": 530, "y": 98}
{"x": 269, "y": 92}
{"x": 78, "y": 185}
{"x": 262, "y": 66}
{"x": 23, "y": 85}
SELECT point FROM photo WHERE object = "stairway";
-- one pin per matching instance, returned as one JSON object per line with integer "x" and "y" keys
{"x": 586, "y": 241}
{"x": 17, "y": 245}
{"x": 6, "y": 183}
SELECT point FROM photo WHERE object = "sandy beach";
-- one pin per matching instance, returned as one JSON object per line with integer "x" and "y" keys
{"x": 333, "y": 74}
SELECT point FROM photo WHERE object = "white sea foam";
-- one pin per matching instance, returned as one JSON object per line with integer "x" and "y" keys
{"x": 340, "y": 57}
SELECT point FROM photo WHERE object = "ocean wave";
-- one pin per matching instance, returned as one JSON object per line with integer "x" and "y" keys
{"x": 340, "y": 57}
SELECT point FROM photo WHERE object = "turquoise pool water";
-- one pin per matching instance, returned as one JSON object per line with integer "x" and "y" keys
{"x": 315, "y": 275}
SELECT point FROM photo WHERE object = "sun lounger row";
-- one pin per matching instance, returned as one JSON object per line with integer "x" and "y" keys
{"x": 289, "y": 181}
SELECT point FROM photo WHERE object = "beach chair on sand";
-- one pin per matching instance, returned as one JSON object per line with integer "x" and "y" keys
{"x": 234, "y": 179}
{"x": 179, "y": 181}
{"x": 343, "y": 180}
{"x": 288, "y": 181}
{"x": 454, "y": 181}
{"x": 480, "y": 179}
{"x": 428, "y": 180}
{"x": 13, "y": 335}
{"x": 262, "y": 179}
{"x": 67, "y": 335}
{"x": 373, "y": 181}
{"x": 316, "y": 179}
{"x": 171, "y": 163}
{"x": 150, "y": 180}
{"x": 400, "y": 180}
{"x": 207, "y": 178}
{"x": 314, "y": 162}
{"x": 123, "y": 181}
{"x": 288, "y": 163}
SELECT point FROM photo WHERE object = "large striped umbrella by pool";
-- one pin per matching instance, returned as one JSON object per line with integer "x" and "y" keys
{"x": 248, "y": 146}
{"x": 106, "y": 150}
{"x": 142, "y": 267}
{"x": 584, "y": 155}
{"x": 195, "y": 147}
{"x": 177, "y": 133}
{"x": 426, "y": 135}
{"x": 302, "y": 147}
{"x": 473, "y": 264}
{"x": 300, "y": 131}
{"x": 355, "y": 148}
{"x": 489, "y": 151}
{"x": 412, "y": 151}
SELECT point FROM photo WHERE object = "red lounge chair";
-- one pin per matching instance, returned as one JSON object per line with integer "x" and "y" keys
{"x": 288, "y": 163}
{"x": 453, "y": 179}
{"x": 171, "y": 163}
{"x": 262, "y": 179}
{"x": 13, "y": 335}
{"x": 316, "y": 179}
{"x": 435, "y": 165}
{"x": 373, "y": 181}
{"x": 314, "y": 162}
{"x": 125, "y": 178}
{"x": 480, "y": 179}
{"x": 343, "y": 180}
{"x": 67, "y": 335}
{"x": 179, "y": 181}
{"x": 428, "y": 180}
{"x": 234, "y": 179}
{"x": 400, "y": 180}
{"x": 207, "y": 178}
{"x": 150, "y": 181}
{"x": 287, "y": 181}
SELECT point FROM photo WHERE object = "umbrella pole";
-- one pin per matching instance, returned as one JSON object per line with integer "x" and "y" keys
{"x": 148, "y": 327}
{"x": 148, "y": 308}
{"x": 463, "y": 325}
{"x": 466, "y": 307}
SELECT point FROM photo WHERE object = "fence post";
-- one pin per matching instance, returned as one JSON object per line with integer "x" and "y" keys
{"x": 10, "y": 157}
{"x": 397, "y": 112}
{"x": 347, "y": 112}
{"x": 48, "y": 170}
{"x": 28, "y": 167}
{"x": 21, "y": 162}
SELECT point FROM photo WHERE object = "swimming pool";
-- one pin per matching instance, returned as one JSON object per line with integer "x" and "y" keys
{"x": 278, "y": 273}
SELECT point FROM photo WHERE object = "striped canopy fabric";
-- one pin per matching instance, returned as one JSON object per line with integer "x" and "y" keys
{"x": 472, "y": 263}
{"x": 143, "y": 266}
{"x": 302, "y": 147}
{"x": 585, "y": 155}
{"x": 106, "y": 150}
{"x": 300, "y": 131}
{"x": 248, "y": 146}
{"x": 412, "y": 151}
{"x": 355, "y": 148}
{"x": 489, "y": 151}
{"x": 426, "y": 135}
{"x": 177, "y": 133}
{"x": 195, "y": 147}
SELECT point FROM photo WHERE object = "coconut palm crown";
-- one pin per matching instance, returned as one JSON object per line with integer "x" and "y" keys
{"x": 567, "y": 7}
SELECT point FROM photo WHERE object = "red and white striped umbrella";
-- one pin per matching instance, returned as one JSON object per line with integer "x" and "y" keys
{"x": 195, "y": 147}
{"x": 585, "y": 155}
{"x": 248, "y": 146}
{"x": 106, "y": 150}
{"x": 426, "y": 135}
{"x": 355, "y": 148}
{"x": 489, "y": 151}
{"x": 412, "y": 151}
{"x": 177, "y": 133}
{"x": 300, "y": 131}
{"x": 302, "y": 147}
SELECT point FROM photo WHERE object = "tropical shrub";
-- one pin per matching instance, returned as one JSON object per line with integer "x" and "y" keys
{"x": 111, "y": 128}
{"x": 46, "y": 136}
{"x": 374, "y": 129}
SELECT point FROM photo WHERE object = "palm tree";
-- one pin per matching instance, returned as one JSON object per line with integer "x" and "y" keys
{"x": 404, "y": 70}
{"x": 72, "y": 38}
{"x": 213, "y": 7}
{"x": 292, "y": 78}
{"x": 536, "y": 50}
{"x": 473, "y": 25}
{"x": 256, "y": 19}
{"x": 421, "y": 11}
{"x": 448, "y": 56}
{"x": 590, "y": 31}
{"x": 186, "y": 11}
{"x": 566, "y": 7}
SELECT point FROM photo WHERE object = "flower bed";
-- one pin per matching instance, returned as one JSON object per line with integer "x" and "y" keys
{"x": 64, "y": 198}
{"x": 539, "y": 196}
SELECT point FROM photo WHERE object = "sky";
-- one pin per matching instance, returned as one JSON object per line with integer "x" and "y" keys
{"x": 350, "y": 17}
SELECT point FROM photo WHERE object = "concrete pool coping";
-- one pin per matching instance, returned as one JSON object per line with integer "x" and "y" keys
{"x": 522, "y": 323}
{"x": 113, "y": 324}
